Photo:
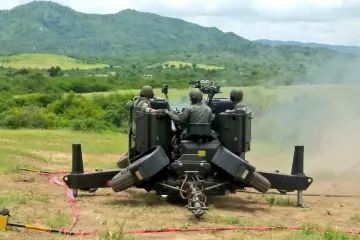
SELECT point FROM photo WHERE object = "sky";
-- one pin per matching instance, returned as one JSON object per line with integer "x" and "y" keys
{"x": 321, "y": 21}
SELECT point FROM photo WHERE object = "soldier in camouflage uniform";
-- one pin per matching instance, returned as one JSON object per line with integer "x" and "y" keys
{"x": 140, "y": 104}
{"x": 236, "y": 96}
{"x": 197, "y": 112}
{"x": 137, "y": 104}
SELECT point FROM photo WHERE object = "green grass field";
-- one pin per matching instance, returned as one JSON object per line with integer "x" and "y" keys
{"x": 32, "y": 142}
{"x": 45, "y": 61}
{"x": 203, "y": 66}
{"x": 177, "y": 64}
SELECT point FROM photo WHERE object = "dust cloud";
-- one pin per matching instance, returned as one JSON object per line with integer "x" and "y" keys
{"x": 321, "y": 111}
{"x": 324, "y": 117}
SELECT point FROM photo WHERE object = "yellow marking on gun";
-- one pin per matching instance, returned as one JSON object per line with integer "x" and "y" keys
{"x": 139, "y": 176}
{"x": 244, "y": 174}
{"x": 201, "y": 153}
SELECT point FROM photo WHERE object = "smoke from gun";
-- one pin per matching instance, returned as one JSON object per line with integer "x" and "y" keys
{"x": 324, "y": 118}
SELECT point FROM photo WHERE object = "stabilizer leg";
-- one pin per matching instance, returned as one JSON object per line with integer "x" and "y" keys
{"x": 298, "y": 169}
{"x": 77, "y": 163}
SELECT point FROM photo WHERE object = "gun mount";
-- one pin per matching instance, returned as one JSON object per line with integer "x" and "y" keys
{"x": 206, "y": 87}
{"x": 192, "y": 167}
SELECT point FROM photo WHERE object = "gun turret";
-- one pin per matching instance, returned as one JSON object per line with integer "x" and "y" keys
{"x": 206, "y": 87}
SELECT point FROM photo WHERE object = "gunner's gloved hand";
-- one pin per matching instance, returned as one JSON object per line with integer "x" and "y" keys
{"x": 166, "y": 111}
{"x": 160, "y": 110}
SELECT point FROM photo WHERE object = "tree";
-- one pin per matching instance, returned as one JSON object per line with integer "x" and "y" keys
{"x": 54, "y": 71}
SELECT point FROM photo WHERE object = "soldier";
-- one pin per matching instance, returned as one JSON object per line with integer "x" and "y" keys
{"x": 236, "y": 96}
{"x": 142, "y": 103}
{"x": 197, "y": 112}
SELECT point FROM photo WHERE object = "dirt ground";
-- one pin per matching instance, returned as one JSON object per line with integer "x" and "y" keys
{"x": 105, "y": 210}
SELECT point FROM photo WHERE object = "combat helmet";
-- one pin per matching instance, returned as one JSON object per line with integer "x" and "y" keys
{"x": 196, "y": 95}
{"x": 147, "y": 91}
{"x": 236, "y": 95}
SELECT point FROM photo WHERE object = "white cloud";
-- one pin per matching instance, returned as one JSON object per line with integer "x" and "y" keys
{"x": 325, "y": 21}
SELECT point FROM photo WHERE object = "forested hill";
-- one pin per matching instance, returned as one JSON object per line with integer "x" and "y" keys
{"x": 339, "y": 48}
{"x": 45, "y": 26}
{"x": 136, "y": 40}
{"x": 51, "y": 27}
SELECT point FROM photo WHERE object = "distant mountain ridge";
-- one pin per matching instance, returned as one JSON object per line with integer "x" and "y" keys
{"x": 339, "y": 48}
{"x": 45, "y": 26}
{"x": 141, "y": 39}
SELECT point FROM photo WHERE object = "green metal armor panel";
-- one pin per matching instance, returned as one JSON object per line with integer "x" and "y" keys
{"x": 235, "y": 131}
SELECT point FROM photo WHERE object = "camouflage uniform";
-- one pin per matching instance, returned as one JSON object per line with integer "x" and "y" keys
{"x": 240, "y": 106}
{"x": 197, "y": 112}
{"x": 236, "y": 95}
{"x": 141, "y": 103}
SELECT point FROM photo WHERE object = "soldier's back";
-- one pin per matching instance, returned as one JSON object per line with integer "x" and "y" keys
{"x": 240, "y": 106}
{"x": 137, "y": 105}
{"x": 140, "y": 102}
{"x": 200, "y": 113}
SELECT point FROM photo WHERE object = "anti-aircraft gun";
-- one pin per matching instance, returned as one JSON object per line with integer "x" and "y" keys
{"x": 191, "y": 168}
{"x": 241, "y": 122}
{"x": 206, "y": 87}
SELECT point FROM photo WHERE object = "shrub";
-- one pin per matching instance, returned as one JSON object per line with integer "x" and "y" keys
{"x": 29, "y": 117}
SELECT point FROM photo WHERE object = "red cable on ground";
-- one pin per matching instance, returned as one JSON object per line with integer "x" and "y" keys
{"x": 244, "y": 228}
{"x": 71, "y": 199}
{"x": 72, "y": 203}
{"x": 182, "y": 186}
{"x": 208, "y": 229}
